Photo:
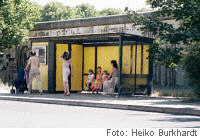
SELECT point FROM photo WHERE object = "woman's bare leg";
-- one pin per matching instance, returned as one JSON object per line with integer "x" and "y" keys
{"x": 98, "y": 87}
{"x": 67, "y": 88}
{"x": 64, "y": 87}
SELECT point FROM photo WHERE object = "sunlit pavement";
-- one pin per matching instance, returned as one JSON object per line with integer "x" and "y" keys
{"x": 21, "y": 114}
{"x": 138, "y": 103}
{"x": 4, "y": 90}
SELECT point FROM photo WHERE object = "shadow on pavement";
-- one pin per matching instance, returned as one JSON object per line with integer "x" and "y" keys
{"x": 178, "y": 119}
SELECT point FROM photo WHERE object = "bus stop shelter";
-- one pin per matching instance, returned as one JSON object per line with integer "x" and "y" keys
{"x": 131, "y": 52}
{"x": 93, "y": 42}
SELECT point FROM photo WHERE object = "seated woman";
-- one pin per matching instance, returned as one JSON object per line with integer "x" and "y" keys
{"x": 111, "y": 82}
{"x": 97, "y": 83}
{"x": 90, "y": 80}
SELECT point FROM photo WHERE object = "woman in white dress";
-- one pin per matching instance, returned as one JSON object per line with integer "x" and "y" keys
{"x": 112, "y": 80}
{"x": 67, "y": 63}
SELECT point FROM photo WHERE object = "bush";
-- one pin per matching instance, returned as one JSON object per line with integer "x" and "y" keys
{"x": 191, "y": 64}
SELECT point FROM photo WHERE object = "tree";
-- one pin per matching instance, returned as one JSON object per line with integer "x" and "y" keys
{"x": 56, "y": 11}
{"x": 187, "y": 14}
{"x": 17, "y": 18}
{"x": 39, "y": 8}
{"x": 110, "y": 11}
{"x": 191, "y": 64}
{"x": 85, "y": 10}
{"x": 68, "y": 13}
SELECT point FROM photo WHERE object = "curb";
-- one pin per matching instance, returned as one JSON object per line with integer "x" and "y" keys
{"x": 180, "y": 111}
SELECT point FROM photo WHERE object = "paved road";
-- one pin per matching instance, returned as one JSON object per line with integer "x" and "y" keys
{"x": 21, "y": 114}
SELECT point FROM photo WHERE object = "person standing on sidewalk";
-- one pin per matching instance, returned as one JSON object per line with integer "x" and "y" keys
{"x": 34, "y": 65}
{"x": 67, "y": 63}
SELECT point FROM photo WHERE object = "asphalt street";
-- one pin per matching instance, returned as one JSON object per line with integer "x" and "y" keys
{"x": 35, "y": 115}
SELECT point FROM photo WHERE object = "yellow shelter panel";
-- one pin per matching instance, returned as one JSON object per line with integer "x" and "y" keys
{"x": 138, "y": 59}
{"x": 138, "y": 66}
{"x": 60, "y": 48}
{"x": 133, "y": 60}
{"x": 131, "y": 81}
{"x": 141, "y": 81}
{"x": 126, "y": 60}
{"x": 76, "y": 55}
{"x": 85, "y": 81}
{"x": 145, "y": 59}
{"x": 89, "y": 59}
{"x": 43, "y": 70}
{"x": 105, "y": 54}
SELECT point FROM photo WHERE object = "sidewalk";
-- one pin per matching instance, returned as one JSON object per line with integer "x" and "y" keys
{"x": 139, "y": 103}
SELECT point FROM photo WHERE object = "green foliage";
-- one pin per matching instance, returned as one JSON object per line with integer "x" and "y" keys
{"x": 168, "y": 56}
{"x": 187, "y": 14}
{"x": 187, "y": 31}
{"x": 39, "y": 8}
{"x": 110, "y": 11}
{"x": 191, "y": 64}
{"x": 56, "y": 11}
{"x": 153, "y": 52}
{"x": 85, "y": 10}
{"x": 17, "y": 18}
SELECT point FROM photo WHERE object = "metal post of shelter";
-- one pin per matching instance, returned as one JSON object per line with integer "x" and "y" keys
{"x": 95, "y": 68}
{"x": 120, "y": 65}
{"x": 51, "y": 67}
{"x": 135, "y": 83}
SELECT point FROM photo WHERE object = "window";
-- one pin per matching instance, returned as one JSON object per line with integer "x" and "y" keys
{"x": 41, "y": 53}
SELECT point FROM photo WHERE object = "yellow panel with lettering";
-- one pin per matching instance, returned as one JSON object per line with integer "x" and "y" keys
{"x": 76, "y": 80}
{"x": 60, "y": 48}
{"x": 104, "y": 56}
{"x": 89, "y": 59}
{"x": 43, "y": 70}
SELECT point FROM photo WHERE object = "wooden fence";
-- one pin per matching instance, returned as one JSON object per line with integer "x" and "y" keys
{"x": 169, "y": 77}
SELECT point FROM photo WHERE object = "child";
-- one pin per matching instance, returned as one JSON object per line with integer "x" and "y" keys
{"x": 96, "y": 84}
{"x": 104, "y": 78}
{"x": 105, "y": 75}
{"x": 90, "y": 79}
